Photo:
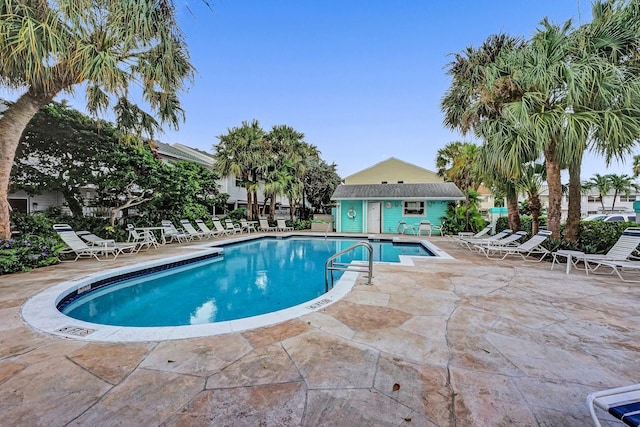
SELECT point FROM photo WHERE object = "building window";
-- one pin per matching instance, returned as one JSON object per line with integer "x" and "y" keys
{"x": 594, "y": 199}
{"x": 238, "y": 183}
{"x": 400, "y": 182}
{"x": 413, "y": 209}
{"x": 629, "y": 198}
{"x": 384, "y": 182}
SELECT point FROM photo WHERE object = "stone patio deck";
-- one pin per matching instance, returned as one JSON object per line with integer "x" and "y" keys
{"x": 463, "y": 342}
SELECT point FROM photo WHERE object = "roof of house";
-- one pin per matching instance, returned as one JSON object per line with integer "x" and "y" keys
{"x": 432, "y": 191}
{"x": 180, "y": 152}
{"x": 392, "y": 170}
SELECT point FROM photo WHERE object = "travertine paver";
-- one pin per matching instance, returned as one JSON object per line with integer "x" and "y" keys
{"x": 263, "y": 405}
{"x": 145, "y": 397}
{"x": 467, "y": 341}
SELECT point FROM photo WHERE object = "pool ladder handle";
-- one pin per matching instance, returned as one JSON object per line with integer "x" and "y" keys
{"x": 331, "y": 265}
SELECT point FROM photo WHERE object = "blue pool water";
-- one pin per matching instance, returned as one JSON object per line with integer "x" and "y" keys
{"x": 252, "y": 278}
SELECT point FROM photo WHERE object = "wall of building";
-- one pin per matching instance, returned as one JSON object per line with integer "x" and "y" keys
{"x": 392, "y": 213}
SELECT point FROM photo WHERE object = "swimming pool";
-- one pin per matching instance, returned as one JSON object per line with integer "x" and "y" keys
{"x": 41, "y": 311}
{"x": 252, "y": 278}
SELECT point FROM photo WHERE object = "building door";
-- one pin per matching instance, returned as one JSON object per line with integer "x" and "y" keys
{"x": 373, "y": 217}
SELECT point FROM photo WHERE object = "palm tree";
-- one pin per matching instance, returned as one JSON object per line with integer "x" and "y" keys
{"x": 48, "y": 48}
{"x": 456, "y": 162}
{"x": 636, "y": 166}
{"x": 578, "y": 95}
{"x": 621, "y": 184}
{"x": 241, "y": 153}
{"x": 285, "y": 162}
{"x": 602, "y": 183}
{"x": 471, "y": 103}
{"x": 530, "y": 183}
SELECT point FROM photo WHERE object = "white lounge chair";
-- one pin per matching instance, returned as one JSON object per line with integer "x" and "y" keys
{"x": 281, "y": 225}
{"x": 231, "y": 227}
{"x": 78, "y": 247}
{"x": 479, "y": 235}
{"x": 510, "y": 240}
{"x": 264, "y": 226}
{"x": 619, "y": 267}
{"x": 626, "y": 244}
{"x": 205, "y": 229}
{"x": 426, "y": 227}
{"x": 94, "y": 240}
{"x": 622, "y": 403}
{"x": 191, "y": 231}
{"x": 528, "y": 248}
{"x": 469, "y": 242}
{"x": 172, "y": 233}
{"x": 247, "y": 226}
{"x": 220, "y": 228}
{"x": 146, "y": 239}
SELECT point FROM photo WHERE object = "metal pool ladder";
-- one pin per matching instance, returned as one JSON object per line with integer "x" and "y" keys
{"x": 331, "y": 265}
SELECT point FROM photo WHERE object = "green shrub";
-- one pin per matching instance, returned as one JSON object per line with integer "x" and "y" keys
{"x": 27, "y": 252}
{"x": 302, "y": 224}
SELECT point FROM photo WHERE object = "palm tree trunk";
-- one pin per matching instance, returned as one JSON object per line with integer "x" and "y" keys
{"x": 555, "y": 191}
{"x": 250, "y": 216}
{"x": 535, "y": 207}
{"x": 575, "y": 194}
{"x": 273, "y": 207}
{"x": 12, "y": 124}
{"x": 512, "y": 208}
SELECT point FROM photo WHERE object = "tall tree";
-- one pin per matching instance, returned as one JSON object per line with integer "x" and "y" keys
{"x": 62, "y": 150}
{"x": 282, "y": 161}
{"x": 579, "y": 94}
{"x": 51, "y": 47}
{"x": 458, "y": 162}
{"x": 320, "y": 181}
{"x": 621, "y": 184}
{"x": 473, "y": 104}
{"x": 636, "y": 166}
{"x": 602, "y": 183}
{"x": 241, "y": 153}
{"x": 530, "y": 183}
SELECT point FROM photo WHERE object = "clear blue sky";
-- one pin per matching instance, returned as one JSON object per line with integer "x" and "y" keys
{"x": 361, "y": 79}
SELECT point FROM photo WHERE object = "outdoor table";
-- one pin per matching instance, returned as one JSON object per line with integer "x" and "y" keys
{"x": 569, "y": 255}
{"x": 149, "y": 232}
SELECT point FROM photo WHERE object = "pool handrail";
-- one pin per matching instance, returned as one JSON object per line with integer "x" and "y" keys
{"x": 332, "y": 266}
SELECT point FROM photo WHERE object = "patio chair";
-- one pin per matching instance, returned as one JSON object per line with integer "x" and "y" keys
{"x": 219, "y": 228}
{"x": 281, "y": 225}
{"x": 205, "y": 229}
{"x": 469, "y": 242}
{"x": 172, "y": 233}
{"x": 622, "y": 250}
{"x": 619, "y": 267}
{"x": 622, "y": 403}
{"x": 428, "y": 228}
{"x": 510, "y": 240}
{"x": 146, "y": 239}
{"x": 528, "y": 248}
{"x": 247, "y": 226}
{"x": 404, "y": 228}
{"x": 479, "y": 235}
{"x": 264, "y": 226}
{"x": 189, "y": 230}
{"x": 78, "y": 247}
{"x": 94, "y": 240}
{"x": 231, "y": 227}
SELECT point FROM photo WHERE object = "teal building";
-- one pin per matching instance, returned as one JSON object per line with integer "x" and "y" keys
{"x": 380, "y": 208}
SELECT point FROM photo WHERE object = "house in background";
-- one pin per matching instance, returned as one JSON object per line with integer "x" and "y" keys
{"x": 20, "y": 201}
{"x": 377, "y": 199}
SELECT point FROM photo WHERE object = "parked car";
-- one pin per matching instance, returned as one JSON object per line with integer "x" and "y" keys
{"x": 623, "y": 216}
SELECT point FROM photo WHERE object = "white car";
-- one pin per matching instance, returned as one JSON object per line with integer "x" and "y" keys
{"x": 612, "y": 217}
